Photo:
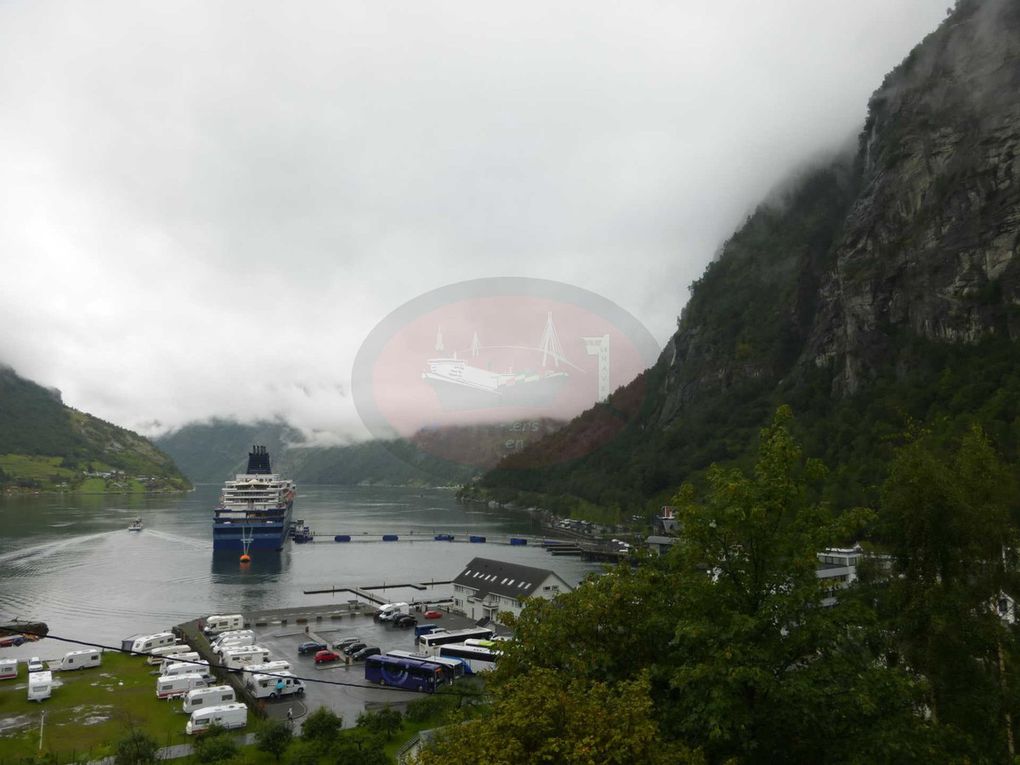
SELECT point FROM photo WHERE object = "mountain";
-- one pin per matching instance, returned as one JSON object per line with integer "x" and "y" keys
{"x": 45, "y": 445}
{"x": 878, "y": 291}
{"x": 214, "y": 450}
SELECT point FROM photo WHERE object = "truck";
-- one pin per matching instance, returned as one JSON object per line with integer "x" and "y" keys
{"x": 225, "y": 715}
{"x": 214, "y": 695}
{"x": 274, "y": 686}
{"x": 80, "y": 659}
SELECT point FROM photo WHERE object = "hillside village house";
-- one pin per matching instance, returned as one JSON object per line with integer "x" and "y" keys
{"x": 485, "y": 587}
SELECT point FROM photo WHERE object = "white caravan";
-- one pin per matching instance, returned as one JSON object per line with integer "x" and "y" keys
{"x": 233, "y": 642}
{"x": 40, "y": 686}
{"x": 174, "y": 658}
{"x": 145, "y": 643}
{"x": 275, "y": 685}
{"x": 156, "y": 655}
{"x": 225, "y": 715}
{"x": 214, "y": 695}
{"x": 267, "y": 667}
{"x": 80, "y": 660}
{"x": 238, "y": 658}
{"x": 179, "y": 685}
{"x": 217, "y": 623}
{"x": 186, "y": 668}
{"x": 9, "y": 668}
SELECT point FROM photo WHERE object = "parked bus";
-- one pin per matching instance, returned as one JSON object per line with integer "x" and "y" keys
{"x": 412, "y": 674}
{"x": 475, "y": 658}
{"x": 430, "y": 643}
{"x": 452, "y": 669}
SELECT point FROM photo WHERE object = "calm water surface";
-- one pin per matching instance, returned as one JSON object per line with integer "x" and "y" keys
{"x": 69, "y": 560}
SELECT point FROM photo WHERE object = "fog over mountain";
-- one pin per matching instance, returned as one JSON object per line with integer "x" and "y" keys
{"x": 206, "y": 207}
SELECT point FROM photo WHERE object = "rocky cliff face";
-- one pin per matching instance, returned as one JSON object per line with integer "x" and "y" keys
{"x": 932, "y": 244}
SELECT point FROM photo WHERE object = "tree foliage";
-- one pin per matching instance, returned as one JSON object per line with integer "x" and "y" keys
{"x": 136, "y": 748}
{"x": 273, "y": 737}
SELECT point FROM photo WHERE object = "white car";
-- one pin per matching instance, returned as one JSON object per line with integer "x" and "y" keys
{"x": 35, "y": 665}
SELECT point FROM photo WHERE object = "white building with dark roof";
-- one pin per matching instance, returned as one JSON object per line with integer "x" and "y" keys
{"x": 485, "y": 587}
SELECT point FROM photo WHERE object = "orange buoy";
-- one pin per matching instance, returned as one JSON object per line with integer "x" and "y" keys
{"x": 245, "y": 558}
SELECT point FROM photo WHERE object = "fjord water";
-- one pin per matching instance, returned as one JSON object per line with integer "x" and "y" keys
{"x": 69, "y": 560}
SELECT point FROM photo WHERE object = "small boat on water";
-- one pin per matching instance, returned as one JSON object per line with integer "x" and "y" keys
{"x": 136, "y": 525}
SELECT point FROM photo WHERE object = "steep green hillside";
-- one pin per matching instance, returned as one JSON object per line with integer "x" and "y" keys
{"x": 882, "y": 291}
{"x": 45, "y": 445}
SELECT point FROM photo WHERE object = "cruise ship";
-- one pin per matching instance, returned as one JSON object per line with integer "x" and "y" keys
{"x": 255, "y": 508}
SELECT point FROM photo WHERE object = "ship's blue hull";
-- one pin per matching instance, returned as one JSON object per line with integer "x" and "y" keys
{"x": 269, "y": 533}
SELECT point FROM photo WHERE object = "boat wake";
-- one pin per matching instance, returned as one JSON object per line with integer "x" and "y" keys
{"x": 197, "y": 544}
{"x": 41, "y": 551}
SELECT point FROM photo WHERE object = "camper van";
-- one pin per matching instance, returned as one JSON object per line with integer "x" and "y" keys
{"x": 80, "y": 659}
{"x": 237, "y": 658}
{"x": 267, "y": 667}
{"x": 225, "y": 715}
{"x": 218, "y": 623}
{"x": 230, "y": 634}
{"x": 174, "y": 658}
{"x": 156, "y": 655}
{"x": 392, "y": 610}
{"x": 214, "y": 695}
{"x": 179, "y": 685}
{"x": 9, "y": 668}
{"x": 233, "y": 642}
{"x": 145, "y": 643}
{"x": 185, "y": 668}
{"x": 275, "y": 685}
{"x": 40, "y": 686}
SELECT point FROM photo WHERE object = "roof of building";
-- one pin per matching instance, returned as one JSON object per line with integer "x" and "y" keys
{"x": 501, "y": 578}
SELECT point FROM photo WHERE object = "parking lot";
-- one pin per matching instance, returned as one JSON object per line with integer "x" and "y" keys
{"x": 347, "y": 693}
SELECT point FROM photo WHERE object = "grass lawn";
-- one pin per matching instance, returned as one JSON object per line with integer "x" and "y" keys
{"x": 42, "y": 469}
{"x": 89, "y": 712}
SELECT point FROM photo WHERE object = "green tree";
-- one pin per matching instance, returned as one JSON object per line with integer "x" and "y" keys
{"x": 321, "y": 728}
{"x": 215, "y": 745}
{"x": 947, "y": 519}
{"x": 135, "y": 748}
{"x": 384, "y": 722}
{"x": 273, "y": 737}
{"x": 359, "y": 746}
{"x": 542, "y": 717}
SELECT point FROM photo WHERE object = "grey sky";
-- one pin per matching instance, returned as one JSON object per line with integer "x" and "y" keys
{"x": 205, "y": 207}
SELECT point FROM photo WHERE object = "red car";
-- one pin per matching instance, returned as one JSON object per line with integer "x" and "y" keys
{"x": 323, "y": 656}
{"x": 433, "y": 615}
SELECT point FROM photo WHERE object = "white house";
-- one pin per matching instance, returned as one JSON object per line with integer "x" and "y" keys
{"x": 485, "y": 587}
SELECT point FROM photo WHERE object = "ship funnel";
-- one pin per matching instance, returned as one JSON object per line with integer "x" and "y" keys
{"x": 258, "y": 461}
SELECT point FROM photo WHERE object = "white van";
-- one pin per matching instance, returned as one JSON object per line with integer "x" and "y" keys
{"x": 145, "y": 643}
{"x": 178, "y": 685}
{"x": 233, "y": 642}
{"x": 217, "y": 623}
{"x": 156, "y": 655}
{"x": 267, "y": 667}
{"x": 237, "y": 658}
{"x": 9, "y": 668}
{"x": 225, "y": 715}
{"x": 391, "y": 610}
{"x": 214, "y": 695}
{"x": 174, "y": 658}
{"x": 186, "y": 668}
{"x": 40, "y": 686}
{"x": 80, "y": 659}
{"x": 275, "y": 685}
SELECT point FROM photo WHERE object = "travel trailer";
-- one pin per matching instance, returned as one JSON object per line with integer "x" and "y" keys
{"x": 218, "y": 623}
{"x": 156, "y": 655}
{"x": 237, "y": 658}
{"x": 233, "y": 642}
{"x": 275, "y": 685}
{"x": 175, "y": 658}
{"x": 267, "y": 667}
{"x": 179, "y": 685}
{"x": 80, "y": 659}
{"x": 225, "y": 637}
{"x": 214, "y": 695}
{"x": 145, "y": 643}
{"x": 9, "y": 668}
{"x": 225, "y": 715}
{"x": 185, "y": 668}
{"x": 40, "y": 686}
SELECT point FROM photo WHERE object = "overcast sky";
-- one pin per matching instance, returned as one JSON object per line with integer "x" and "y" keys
{"x": 205, "y": 207}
